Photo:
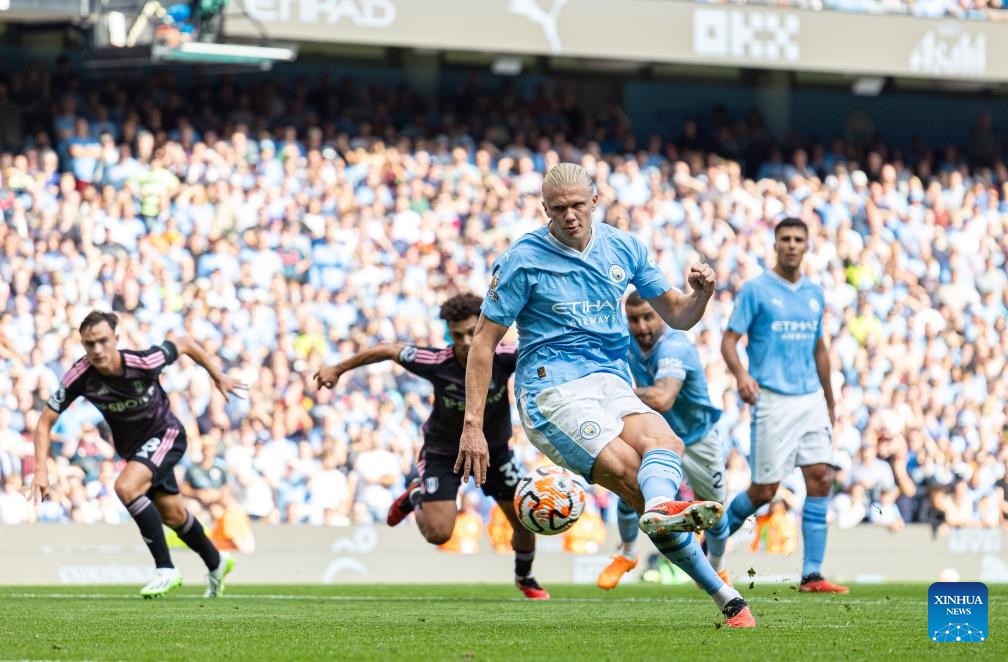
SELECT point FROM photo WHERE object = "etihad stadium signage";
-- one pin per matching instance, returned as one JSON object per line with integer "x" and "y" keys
{"x": 648, "y": 30}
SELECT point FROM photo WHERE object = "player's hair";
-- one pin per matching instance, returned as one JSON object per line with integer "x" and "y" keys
{"x": 96, "y": 317}
{"x": 634, "y": 299}
{"x": 460, "y": 307}
{"x": 566, "y": 175}
{"x": 790, "y": 222}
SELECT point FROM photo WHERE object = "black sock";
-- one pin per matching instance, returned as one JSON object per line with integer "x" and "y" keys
{"x": 192, "y": 534}
{"x": 148, "y": 519}
{"x": 523, "y": 564}
{"x": 414, "y": 497}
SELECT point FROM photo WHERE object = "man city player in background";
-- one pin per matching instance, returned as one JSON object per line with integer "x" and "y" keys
{"x": 788, "y": 386}
{"x": 670, "y": 379}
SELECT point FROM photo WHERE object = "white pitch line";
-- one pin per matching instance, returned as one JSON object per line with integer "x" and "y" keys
{"x": 434, "y": 598}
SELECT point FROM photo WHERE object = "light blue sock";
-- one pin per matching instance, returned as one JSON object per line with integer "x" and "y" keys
{"x": 813, "y": 528}
{"x": 716, "y": 537}
{"x": 628, "y": 522}
{"x": 659, "y": 476}
{"x": 683, "y": 550}
{"x": 738, "y": 511}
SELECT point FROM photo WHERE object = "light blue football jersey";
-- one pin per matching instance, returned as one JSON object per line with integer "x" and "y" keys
{"x": 674, "y": 356}
{"x": 567, "y": 304}
{"x": 783, "y": 321}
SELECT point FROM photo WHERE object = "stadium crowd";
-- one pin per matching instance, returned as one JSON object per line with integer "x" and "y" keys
{"x": 286, "y": 224}
{"x": 974, "y": 10}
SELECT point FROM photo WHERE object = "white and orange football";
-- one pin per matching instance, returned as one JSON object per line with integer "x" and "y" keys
{"x": 549, "y": 500}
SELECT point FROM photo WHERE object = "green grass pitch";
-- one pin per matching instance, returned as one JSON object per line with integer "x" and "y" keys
{"x": 474, "y": 622}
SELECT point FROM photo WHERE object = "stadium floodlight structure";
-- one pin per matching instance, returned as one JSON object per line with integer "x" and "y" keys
{"x": 129, "y": 33}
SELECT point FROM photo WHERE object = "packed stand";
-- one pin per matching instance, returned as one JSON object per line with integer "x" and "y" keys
{"x": 286, "y": 226}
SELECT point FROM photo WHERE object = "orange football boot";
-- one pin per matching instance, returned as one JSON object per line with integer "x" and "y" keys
{"x": 815, "y": 583}
{"x": 531, "y": 588}
{"x": 738, "y": 615}
{"x": 672, "y": 516}
{"x": 402, "y": 506}
{"x": 620, "y": 565}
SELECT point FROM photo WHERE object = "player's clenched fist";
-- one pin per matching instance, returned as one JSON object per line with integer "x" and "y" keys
{"x": 701, "y": 277}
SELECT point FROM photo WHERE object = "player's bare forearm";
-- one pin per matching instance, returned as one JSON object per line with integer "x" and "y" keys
{"x": 822, "y": 363}
{"x": 661, "y": 396}
{"x": 680, "y": 311}
{"x": 729, "y": 352}
{"x": 43, "y": 440}
{"x": 187, "y": 345}
{"x": 376, "y": 354}
{"x": 748, "y": 389}
{"x": 330, "y": 374}
{"x": 473, "y": 452}
{"x": 479, "y": 366}
{"x": 648, "y": 397}
{"x": 7, "y": 349}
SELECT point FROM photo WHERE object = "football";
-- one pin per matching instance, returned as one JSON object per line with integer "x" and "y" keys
{"x": 549, "y": 500}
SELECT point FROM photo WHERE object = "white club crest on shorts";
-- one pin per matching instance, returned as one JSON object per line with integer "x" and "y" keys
{"x": 814, "y": 305}
{"x": 617, "y": 273}
{"x": 589, "y": 430}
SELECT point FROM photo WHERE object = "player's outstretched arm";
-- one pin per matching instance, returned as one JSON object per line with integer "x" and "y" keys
{"x": 747, "y": 386}
{"x": 822, "y": 364}
{"x": 224, "y": 383}
{"x": 330, "y": 374}
{"x": 43, "y": 439}
{"x": 7, "y": 348}
{"x": 474, "y": 455}
{"x": 682, "y": 311}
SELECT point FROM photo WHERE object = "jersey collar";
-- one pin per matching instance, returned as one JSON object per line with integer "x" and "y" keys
{"x": 567, "y": 249}
{"x": 794, "y": 287}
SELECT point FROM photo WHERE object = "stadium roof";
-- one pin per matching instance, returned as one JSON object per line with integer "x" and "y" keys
{"x": 647, "y": 31}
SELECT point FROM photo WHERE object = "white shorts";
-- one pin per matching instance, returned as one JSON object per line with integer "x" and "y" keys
{"x": 572, "y": 423}
{"x": 788, "y": 431}
{"x": 704, "y": 465}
